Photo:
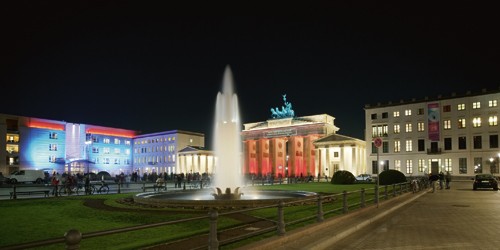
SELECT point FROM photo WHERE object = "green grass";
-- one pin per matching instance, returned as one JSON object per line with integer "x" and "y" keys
{"x": 27, "y": 220}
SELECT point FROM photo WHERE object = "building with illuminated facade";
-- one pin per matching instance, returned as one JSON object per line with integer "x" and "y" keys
{"x": 456, "y": 133}
{"x": 300, "y": 146}
{"x": 34, "y": 143}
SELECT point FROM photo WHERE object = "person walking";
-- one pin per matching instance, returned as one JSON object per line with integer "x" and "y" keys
{"x": 447, "y": 179}
{"x": 433, "y": 178}
{"x": 441, "y": 180}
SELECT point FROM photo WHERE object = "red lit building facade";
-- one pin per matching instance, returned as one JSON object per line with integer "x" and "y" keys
{"x": 285, "y": 147}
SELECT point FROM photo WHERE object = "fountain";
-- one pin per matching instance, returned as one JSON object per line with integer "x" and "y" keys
{"x": 228, "y": 175}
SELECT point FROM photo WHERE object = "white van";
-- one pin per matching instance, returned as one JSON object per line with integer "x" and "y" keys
{"x": 35, "y": 176}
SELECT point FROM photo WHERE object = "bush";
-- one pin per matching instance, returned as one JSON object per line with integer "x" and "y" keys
{"x": 391, "y": 176}
{"x": 343, "y": 177}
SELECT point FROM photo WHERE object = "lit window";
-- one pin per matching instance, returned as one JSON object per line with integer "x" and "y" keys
{"x": 492, "y": 103}
{"x": 476, "y": 105}
{"x": 420, "y": 126}
{"x": 409, "y": 146}
{"x": 408, "y": 127}
{"x": 409, "y": 166}
{"x": 117, "y": 151}
{"x": 397, "y": 129}
{"x": 408, "y": 112}
{"x": 397, "y": 165}
{"x": 461, "y": 123}
{"x": 476, "y": 122}
{"x": 493, "y": 120}
{"x": 397, "y": 146}
{"x": 106, "y": 140}
{"x": 447, "y": 165}
{"x": 117, "y": 141}
{"x": 447, "y": 124}
{"x": 421, "y": 165}
{"x": 396, "y": 114}
{"x": 379, "y": 130}
{"x": 461, "y": 106}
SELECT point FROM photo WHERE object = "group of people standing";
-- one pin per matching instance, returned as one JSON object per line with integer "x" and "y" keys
{"x": 442, "y": 178}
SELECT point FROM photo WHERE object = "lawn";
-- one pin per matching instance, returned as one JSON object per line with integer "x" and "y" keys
{"x": 27, "y": 220}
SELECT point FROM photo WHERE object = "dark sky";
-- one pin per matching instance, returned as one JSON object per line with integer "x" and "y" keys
{"x": 150, "y": 67}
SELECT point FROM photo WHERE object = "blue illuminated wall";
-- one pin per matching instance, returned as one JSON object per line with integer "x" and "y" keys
{"x": 42, "y": 148}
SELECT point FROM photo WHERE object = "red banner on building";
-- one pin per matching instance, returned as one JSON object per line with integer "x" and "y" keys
{"x": 433, "y": 120}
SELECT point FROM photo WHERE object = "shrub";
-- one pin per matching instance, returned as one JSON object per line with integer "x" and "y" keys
{"x": 343, "y": 177}
{"x": 391, "y": 176}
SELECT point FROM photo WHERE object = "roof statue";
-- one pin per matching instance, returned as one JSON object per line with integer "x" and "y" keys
{"x": 285, "y": 112}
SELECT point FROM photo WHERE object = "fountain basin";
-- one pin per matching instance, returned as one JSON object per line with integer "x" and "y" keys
{"x": 205, "y": 199}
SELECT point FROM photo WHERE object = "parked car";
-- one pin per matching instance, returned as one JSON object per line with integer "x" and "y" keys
{"x": 485, "y": 181}
{"x": 364, "y": 178}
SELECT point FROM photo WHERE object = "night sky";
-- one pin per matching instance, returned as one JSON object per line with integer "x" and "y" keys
{"x": 149, "y": 67}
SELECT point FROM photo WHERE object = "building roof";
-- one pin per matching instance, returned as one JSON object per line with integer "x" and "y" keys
{"x": 331, "y": 138}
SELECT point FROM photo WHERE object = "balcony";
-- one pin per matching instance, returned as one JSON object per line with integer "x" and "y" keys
{"x": 434, "y": 151}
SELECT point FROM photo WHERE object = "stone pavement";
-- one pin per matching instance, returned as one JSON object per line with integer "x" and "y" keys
{"x": 456, "y": 218}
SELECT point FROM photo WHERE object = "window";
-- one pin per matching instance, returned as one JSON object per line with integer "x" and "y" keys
{"x": 476, "y": 105}
{"x": 106, "y": 140}
{"x": 446, "y": 124}
{"x": 493, "y": 141}
{"x": 447, "y": 143}
{"x": 462, "y": 142}
{"x": 461, "y": 123}
{"x": 374, "y": 116}
{"x": 462, "y": 165}
{"x": 374, "y": 167}
{"x": 397, "y": 146}
{"x": 385, "y": 115}
{"x": 420, "y": 111}
{"x": 397, "y": 165}
{"x": 477, "y": 142}
{"x": 493, "y": 120}
{"x": 446, "y": 108}
{"x": 421, "y": 165}
{"x": 396, "y": 129}
{"x": 396, "y": 114}
{"x": 408, "y": 112}
{"x": 420, "y": 126}
{"x": 408, "y": 127}
{"x": 52, "y": 147}
{"x": 409, "y": 167}
{"x": 117, "y": 141}
{"x": 127, "y": 142}
{"x": 461, "y": 106}
{"x": 478, "y": 167}
{"x": 385, "y": 147}
{"x": 379, "y": 130}
{"x": 492, "y": 103}
{"x": 105, "y": 150}
{"x": 447, "y": 165}
{"x": 52, "y": 135}
{"x": 336, "y": 154}
{"x": 476, "y": 122}
{"x": 409, "y": 147}
{"x": 421, "y": 145}
{"x": 117, "y": 151}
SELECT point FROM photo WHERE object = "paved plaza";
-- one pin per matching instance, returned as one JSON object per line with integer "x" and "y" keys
{"x": 457, "y": 218}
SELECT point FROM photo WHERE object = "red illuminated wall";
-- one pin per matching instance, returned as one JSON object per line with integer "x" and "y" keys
{"x": 278, "y": 155}
{"x": 251, "y": 157}
{"x": 263, "y": 156}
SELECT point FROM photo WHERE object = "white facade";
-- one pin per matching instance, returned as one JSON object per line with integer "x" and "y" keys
{"x": 158, "y": 152}
{"x": 458, "y": 133}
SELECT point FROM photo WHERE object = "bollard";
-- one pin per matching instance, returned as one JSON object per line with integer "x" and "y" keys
{"x": 56, "y": 192}
{"x": 201, "y": 184}
{"x": 344, "y": 202}
{"x": 363, "y": 197}
{"x": 376, "y": 195}
{"x": 184, "y": 188}
{"x": 386, "y": 196}
{"x": 393, "y": 190}
{"x": 213, "y": 243}
{"x": 143, "y": 187}
{"x": 320, "y": 217}
{"x": 281, "y": 219}
{"x": 119, "y": 186}
{"x": 14, "y": 195}
{"x": 72, "y": 239}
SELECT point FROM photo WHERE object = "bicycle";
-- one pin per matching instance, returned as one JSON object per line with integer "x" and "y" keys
{"x": 69, "y": 189}
{"x": 103, "y": 189}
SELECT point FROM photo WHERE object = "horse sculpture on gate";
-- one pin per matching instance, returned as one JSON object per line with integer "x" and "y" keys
{"x": 285, "y": 112}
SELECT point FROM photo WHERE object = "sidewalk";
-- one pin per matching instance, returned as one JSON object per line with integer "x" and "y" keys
{"x": 458, "y": 218}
